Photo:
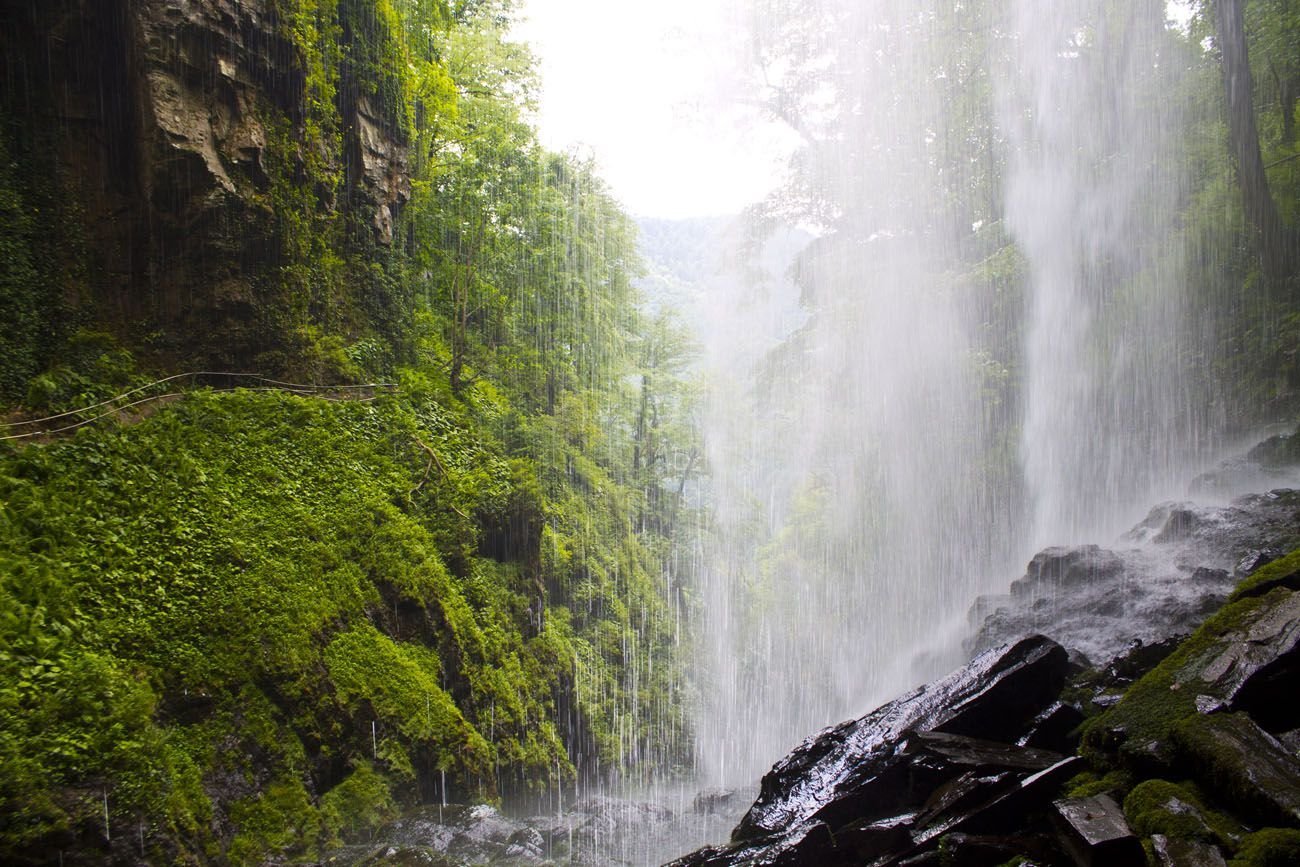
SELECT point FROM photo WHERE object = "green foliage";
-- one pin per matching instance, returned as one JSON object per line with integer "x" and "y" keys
{"x": 1270, "y": 847}
{"x": 1178, "y": 811}
{"x": 361, "y": 803}
{"x": 399, "y": 682}
{"x": 288, "y": 571}
{"x": 278, "y": 821}
{"x": 254, "y": 623}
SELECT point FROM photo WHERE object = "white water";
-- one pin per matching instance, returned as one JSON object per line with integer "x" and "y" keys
{"x": 935, "y": 420}
{"x": 1093, "y": 188}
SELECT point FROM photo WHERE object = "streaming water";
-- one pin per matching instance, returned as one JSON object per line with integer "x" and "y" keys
{"x": 988, "y": 360}
{"x": 956, "y": 337}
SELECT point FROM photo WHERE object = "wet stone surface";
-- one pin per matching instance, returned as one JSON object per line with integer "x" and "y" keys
{"x": 889, "y": 787}
{"x": 1163, "y": 578}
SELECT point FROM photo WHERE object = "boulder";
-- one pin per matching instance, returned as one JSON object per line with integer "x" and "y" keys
{"x": 1172, "y": 852}
{"x": 1254, "y": 667}
{"x": 1168, "y": 574}
{"x": 995, "y": 697}
{"x": 1096, "y": 834}
{"x": 888, "y": 787}
{"x": 1244, "y": 765}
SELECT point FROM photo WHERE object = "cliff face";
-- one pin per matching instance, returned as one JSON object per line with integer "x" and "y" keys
{"x": 196, "y": 146}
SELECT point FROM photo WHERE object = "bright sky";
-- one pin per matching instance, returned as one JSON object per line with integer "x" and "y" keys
{"x": 645, "y": 87}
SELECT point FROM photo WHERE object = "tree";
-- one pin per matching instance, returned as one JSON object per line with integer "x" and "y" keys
{"x": 1277, "y": 242}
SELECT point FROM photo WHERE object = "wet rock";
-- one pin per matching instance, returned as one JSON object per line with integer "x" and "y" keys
{"x": 1056, "y": 569}
{"x": 714, "y": 800}
{"x": 975, "y": 850}
{"x": 1178, "y": 567}
{"x": 171, "y": 122}
{"x": 1096, "y": 834}
{"x": 1054, "y": 729}
{"x": 1172, "y": 852}
{"x": 1281, "y": 571}
{"x": 996, "y": 695}
{"x": 888, "y": 787}
{"x": 1255, "y": 667}
{"x": 1270, "y": 464}
{"x": 1278, "y": 451}
{"x": 1244, "y": 765}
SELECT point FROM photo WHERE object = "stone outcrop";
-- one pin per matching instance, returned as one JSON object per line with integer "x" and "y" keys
{"x": 177, "y": 128}
{"x": 1164, "y": 578}
{"x": 946, "y": 759}
{"x": 978, "y": 768}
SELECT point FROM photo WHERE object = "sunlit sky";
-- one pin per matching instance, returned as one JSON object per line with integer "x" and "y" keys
{"x": 653, "y": 92}
{"x": 649, "y": 90}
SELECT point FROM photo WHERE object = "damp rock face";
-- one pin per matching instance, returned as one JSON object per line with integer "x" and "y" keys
{"x": 184, "y": 131}
{"x": 1162, "y": 578}
{"x": 943, "y": 760}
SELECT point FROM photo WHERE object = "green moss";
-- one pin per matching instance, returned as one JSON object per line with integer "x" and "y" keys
{"x": 1145, "y": 717}
{"x": 1270, "y": 847}
{"x": 399, "y": 681}
{"x": 1177, "y": 811}
{"x": 358, "y": 805}
{"x": 1087, "y": 785}
{"x": 1283, "y": 572}
{"x": 280, "y": 821}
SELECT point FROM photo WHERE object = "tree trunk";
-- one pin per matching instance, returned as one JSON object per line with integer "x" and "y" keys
{"x": 1276, "y": 242}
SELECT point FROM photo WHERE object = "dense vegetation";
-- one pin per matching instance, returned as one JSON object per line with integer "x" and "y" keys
{"x": 249, "y": 623}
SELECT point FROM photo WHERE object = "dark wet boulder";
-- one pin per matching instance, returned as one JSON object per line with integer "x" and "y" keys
{"x": 715, "y": 801}
{"x": 1056, "y": 728}
{"x": 1256, "y": 666}
{"x": 1096, "y": 834}
{"x": 941, "y": 760}
{"x": 1056, "y": 569}
{"x": 1244, "y": 765}
{"x": 995, "y": 696}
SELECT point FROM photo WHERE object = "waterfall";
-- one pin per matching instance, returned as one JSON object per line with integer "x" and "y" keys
{"x": 1090, "y": 110}
{"x": 989, "y": 360}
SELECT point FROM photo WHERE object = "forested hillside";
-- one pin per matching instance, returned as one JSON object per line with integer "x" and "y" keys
{"x": 344, "y": 469}
{"x": 407, "y": 533}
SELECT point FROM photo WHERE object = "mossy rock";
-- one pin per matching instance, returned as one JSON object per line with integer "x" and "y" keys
{"x": 1088, "y": 784}
{"x": 1138, "y": 731}
{"x": 1177, "y": 811}
{"x": 1283, "y": 572}
{"x": 1243, "y": 765}
{"x": 1270, "y": 847}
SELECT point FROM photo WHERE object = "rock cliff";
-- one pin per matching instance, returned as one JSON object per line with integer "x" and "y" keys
{"x": 203, "y": 144}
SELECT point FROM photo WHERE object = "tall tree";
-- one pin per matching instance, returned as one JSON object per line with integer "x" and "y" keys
{"x": 1277, "y": 242}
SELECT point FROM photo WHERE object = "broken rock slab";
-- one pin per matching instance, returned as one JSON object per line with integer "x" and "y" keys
{"x": 995, "y": 697}
{"x": 1096, "y": 834}
{"x": 1244, "y": 765}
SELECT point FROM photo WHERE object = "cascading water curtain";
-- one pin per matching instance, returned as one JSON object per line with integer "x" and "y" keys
{"x": 863, "y": 479}
{"x": 1089, "y": 103}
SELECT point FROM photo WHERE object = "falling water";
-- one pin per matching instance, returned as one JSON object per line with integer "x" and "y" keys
{"x": 1091, "y": 114}
{"x": 988, "y": 360}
